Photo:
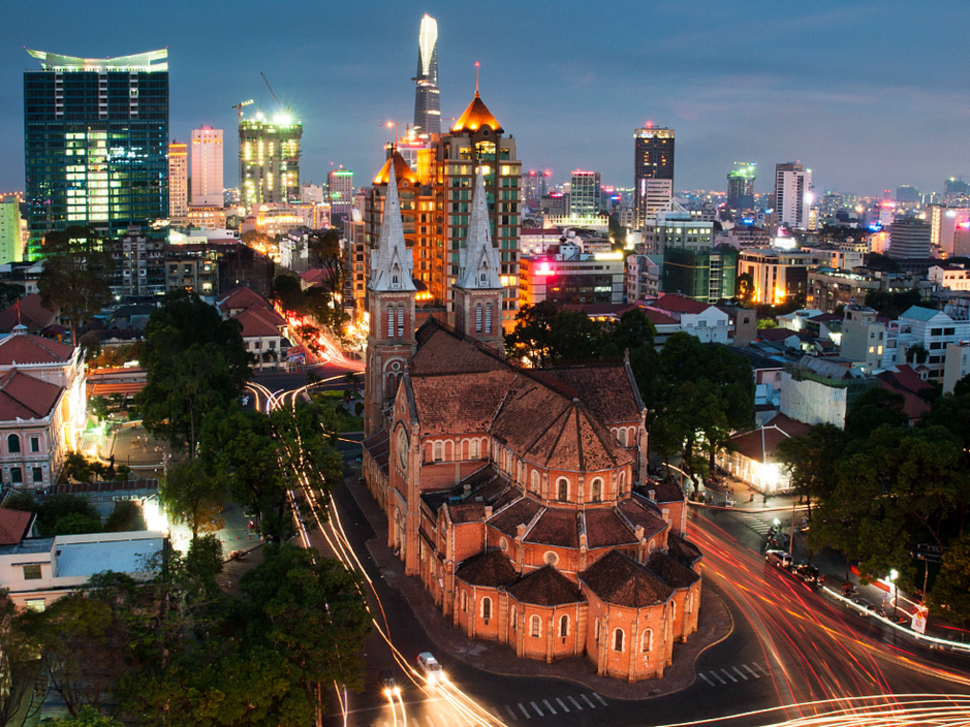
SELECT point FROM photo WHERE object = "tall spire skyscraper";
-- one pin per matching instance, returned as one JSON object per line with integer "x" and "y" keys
{"x": 427, "y": 110}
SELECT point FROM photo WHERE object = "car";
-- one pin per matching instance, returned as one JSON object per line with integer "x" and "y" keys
{"x": 808, "y": 574}
{"x": 867, "y": 607}
{"x": 778, "y": 558}
{"x": 389, "y": 684}
{"x": 431, "y": 668}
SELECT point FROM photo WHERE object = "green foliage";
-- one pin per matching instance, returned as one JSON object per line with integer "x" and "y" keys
{"x": 962, "y": 387}
{"x": 813, "y": 461}
{"x": 194, "y": 495}
{"x": 126, "y": 517}
{"x": 22, "y": 501}
{"x": 195, "y": 362}
{"x": 950, "y": 597}
{"x": 881, "y": 263}
{"x": 77, "y": 524}
{"x": 892, "y": 305}
{"x": 66, "y": 515}
{"x": 76, "y": 274}
{"x": 766, "y": 324}
{"x": 876, "y": 407}
{"x": 9, "y": 294}
{"x": 98, "y": 406}
{"x": 18, "y": 661}
{"x": 325, "y": 248}
{"x": 79, "y": 468}
{"x": 87, "y": 716}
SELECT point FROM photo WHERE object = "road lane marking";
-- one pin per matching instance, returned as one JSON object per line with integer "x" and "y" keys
{"x": 514, "y": 715}
{"x": 548, "y": 706}
{"x": 728, "y": 675}
{"x": 536, "y": 708}
{"x": 414, "y": 720}
{"x": 755, "y": 674}
{"x": 578, "y": 706}
{"x": 740, "y": 673}
{"x": 524, "y": 711}
{"x": 600, "y": 698}
{"x": 586, "y": 699}
{"x": 710, "y": 683}
{"x": 562, "y": 704}
{"x": 717, "y": 676}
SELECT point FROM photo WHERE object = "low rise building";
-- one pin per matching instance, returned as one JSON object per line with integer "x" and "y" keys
{"x": 931, "y": 331}
{"x": 957, "y": 364}
{"x": 753, "y": 457}
{"x": 951, "y": 277}
{"x": 708, "y": 323}
{"x": 571, "y": 276}
{"x": 263, "y": 329}
{"x": 817, "y": 391}
{"x": 777, "y": 275}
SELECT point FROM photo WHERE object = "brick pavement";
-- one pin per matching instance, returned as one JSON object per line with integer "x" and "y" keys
{"x": 715, "y": 625}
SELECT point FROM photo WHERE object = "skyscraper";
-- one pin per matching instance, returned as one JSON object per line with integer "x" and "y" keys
{"x": 178, "y": 182}
{"x": 653, "y": 171}
{"x": 96, "y": 142}
{"x": 207, "y": 167}
{"x": 793, "y": 200}
{"x": 427, "y": 114}
{"x": 584, "y": 194}
{"x": 740, "y": 191}
{"x": 11, "y": 247}
{"x": 269, "y": 160}
{"x": 341, "y": 184}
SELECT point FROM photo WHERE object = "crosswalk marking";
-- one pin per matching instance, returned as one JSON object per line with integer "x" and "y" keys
{"x": 745, "y": 671}
{"x": 578, "y": 705}
{"x": 709, "y": 682}
{"x": 753, "y": 673}
{"x": 549, "y": 706}
{"x": 716, "y": 676}
{"x": 414, "y": 721}
{"x": 603, "y": 701}
{"x": 761, "y": 668}
{"x": 536, "y": 708}
{"x": 430, "y": 721}
{"x": 586, "y": 699}
{"x": 562, "y": 704}
{"x": 740, "y": 673}
{"x": 524, "y": 711}
{"x": 511, "y": 713}
{"x": 728, "y": 675}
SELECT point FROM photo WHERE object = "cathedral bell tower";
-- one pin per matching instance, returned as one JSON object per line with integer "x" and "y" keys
{"x": 390, "y": 295}
{"x": 478, "y": 290}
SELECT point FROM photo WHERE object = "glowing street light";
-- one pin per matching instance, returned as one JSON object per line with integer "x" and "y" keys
{"x": 893, "y": 575}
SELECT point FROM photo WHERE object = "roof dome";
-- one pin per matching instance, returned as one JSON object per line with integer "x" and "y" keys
{"x": 476, "y": 116}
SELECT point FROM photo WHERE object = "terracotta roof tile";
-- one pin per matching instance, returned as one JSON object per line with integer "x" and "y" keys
{"x": 30, "y": 312}
{"x": 14, "y": 525}
{"x": 255, "y": 325}
{"x": 604, "y": 389}
{"x": 518, "y": 513}
{"x": 680, "y": 304}
{"x": 639, "y": 513}
{"x": 24, "y": 397}
{"x": 491, "y": 569}
{"x": 604, "y": 528}
{"x": 671, "y": 571}
{"x": 546, "y": 587}
{"x": 239, "y": 298}
{"x": 465, "y": 403}
{"x": 757, "y": 444}
{"x": 618, "y": 580}
{"x": 23, "y": 348}
{"x": 378, "y": 446}
{"x": 556, "y": 527}
{"x": 442, "y": 352}
{"x": 466, "y": 512}
{"x": 683, "y": 550}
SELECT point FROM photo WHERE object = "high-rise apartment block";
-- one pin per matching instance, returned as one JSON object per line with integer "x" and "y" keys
{"x": 427, "y": 114}
{"x": 536, "y": 185}
{"x": 909, "y": 238}
{"x": 341, "y": 185}
{"x": 793, "y": 195}
{"x": 11, "y": 239}
{"x": 584, "y": 194}
{"x": 178, "y": 182}
{"x": 96, "y": 143}
{"x": 207, "y": 158}
{"x": 740, "y": 191}
{"x": 653, "y": 171}
{"x": 269, "y": 160}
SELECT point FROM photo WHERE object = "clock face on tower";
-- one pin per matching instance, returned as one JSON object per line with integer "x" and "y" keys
{"x": 402, "y": 449}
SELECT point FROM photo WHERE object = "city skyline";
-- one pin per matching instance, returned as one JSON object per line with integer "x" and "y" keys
{"x": 817, "y": 86}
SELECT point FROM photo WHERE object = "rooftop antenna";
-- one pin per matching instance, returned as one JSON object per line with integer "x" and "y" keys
{"x": 477, "y": 64}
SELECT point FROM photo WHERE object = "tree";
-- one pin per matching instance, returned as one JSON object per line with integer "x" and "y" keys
{"x": 195, "y": 362}
{"x": 546, "y": 335}
{"x": 745, "y": 290}
{"x": 76, "y": 274}
{"x": 875, "y": 407}
{"x": 87, "y": 716}
{"x": 325, "y": 246}
{"x": 126, "y": 517}
{"x": 18, "y": 662}
{"x": 892, "y": 305}
{"x": 813, "y": 461}
{"x": 950, "y": 597}
{"x": 917, "y": 354}
{"x": 98, "y": 406}
{"x": 77, "y": 524}
{"x": 632, "y": 331}
{"x": 192, "y": 495}
{"x": 288, "y": 292}
{"x": 9, "y": 294}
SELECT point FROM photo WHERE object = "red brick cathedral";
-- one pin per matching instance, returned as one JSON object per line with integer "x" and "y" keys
{"x": 519, "y": 497}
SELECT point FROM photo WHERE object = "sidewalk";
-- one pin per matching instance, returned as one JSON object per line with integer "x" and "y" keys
{"x": 715, "y": 625}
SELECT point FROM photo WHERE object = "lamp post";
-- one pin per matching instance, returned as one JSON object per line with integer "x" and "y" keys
{"x": 893, "y": 575}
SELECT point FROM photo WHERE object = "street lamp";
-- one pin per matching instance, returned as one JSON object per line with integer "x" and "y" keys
{"x": 893, "y": 575}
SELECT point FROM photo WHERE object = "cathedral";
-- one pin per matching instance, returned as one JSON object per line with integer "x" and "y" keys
{"x": 518, "y": 496}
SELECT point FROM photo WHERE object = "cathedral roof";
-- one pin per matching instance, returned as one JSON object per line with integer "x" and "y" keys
{"x": 476, "y": 116}
{"x": 683, "y": 550}
{"x": 605, "y": 390}
{"x": 671, "y": 571}
{"x": 620, "y": 581}
{"x": 401, "y": 170}
{"x": 638, "y": 512}
{"x": 491, "y": 569}
{"x": 546, "y": 587}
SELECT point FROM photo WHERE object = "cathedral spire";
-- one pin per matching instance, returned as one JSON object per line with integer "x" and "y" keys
{"x": 478, "y": 260}
{"x": 392, "y": 264}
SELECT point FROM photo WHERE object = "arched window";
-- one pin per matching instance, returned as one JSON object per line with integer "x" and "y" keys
{"x": 483, "y": 278}
{"x": 534, "y": 481}
{"x": 478, "y": 318}
{"x": 390, "y": 323}
{"x": 646, "y": 641}
{"x": 596, "y": 632}
{"x": 622, "y": 483}
{"x": 515, "y": 618}
{"x": 486, "y": 608}
{"x": 13, "y": 443}
{"x": 474, "y": 449}
{"x": 395, "y": 281}
{"x": 564, "y": 626}
{"x": 618, "y": 640}
{"x": 622, "y": 436}
{"x": 439, "y": 452}
{"x": 464, "y": 601}
{"x": 673, "y": 610}
{"x": 597, "y": 490}
{"x": 563, "y": 489}
{"x": 488, "y": 318}
{"x": 400, "y": 322}
{"x": 688, "y": 603}
{"x": 535, "y": 626}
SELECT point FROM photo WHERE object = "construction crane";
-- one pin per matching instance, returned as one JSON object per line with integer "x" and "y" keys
{"x": 239, "y": 107}
{"x": 278, "y": 104}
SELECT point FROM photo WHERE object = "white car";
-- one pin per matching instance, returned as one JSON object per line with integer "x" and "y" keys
{"x": 778, "y": 558}
{"x": 431, "y": 667}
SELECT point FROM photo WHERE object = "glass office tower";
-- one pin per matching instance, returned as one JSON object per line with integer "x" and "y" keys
{"x": 96, "y": 142}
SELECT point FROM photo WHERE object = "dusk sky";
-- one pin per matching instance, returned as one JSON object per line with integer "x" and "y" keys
{"x": 867, "y": 95}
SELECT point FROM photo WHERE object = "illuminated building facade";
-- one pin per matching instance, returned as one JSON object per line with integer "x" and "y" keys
{"x": 269, "y": 160}
{"x": 572, "y": 277}
{"x": 740, "y": 191}
{"x": 427, "y": 114}
{"x": 909, "y": 238}
{"x": 341, "y": 184}
{"x": 178, "y": 182}
{"x": 11, "y": 239}
{"x": 707, "y": 276}
{"x": 777, "y": 274}
{"x": 207, "y": 161}
{"x": 793, "y": 195}
{"x": 653, "y": 171}
{"x": 96, "y": 143}
{"x": 584, "y": 194}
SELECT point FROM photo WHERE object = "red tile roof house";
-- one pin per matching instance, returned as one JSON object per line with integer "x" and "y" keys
{"x": 519, "y": 497}
{"x": 752, "y": 457}
{"x": 42, "y": 404}
{"x": 263, "y": 329}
